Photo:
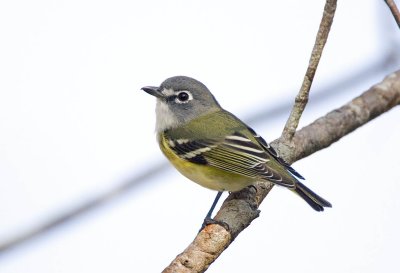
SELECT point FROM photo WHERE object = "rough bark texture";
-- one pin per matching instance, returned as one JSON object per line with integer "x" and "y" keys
{"x": 241, "y": 208}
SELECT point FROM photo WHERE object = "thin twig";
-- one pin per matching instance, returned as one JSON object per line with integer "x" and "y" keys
{"x": 302, "y": 97}
{"x": 395, "y": 11}
{"x": 383, "y": 65}
{"x": 241, "y": 208}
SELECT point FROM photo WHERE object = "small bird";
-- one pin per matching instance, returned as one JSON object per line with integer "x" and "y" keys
{"x": 214, "y": 148}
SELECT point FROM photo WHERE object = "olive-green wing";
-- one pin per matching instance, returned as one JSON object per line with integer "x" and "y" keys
{"x": 270, "y": 150}
{"x": 235, "y": 153}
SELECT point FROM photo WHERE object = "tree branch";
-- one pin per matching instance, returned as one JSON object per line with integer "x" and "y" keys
{"x": 241, "y": 208}
{"x": 395, "y": 11}
{"x": 81, "y": 209}
{"x": 302, "y": 97}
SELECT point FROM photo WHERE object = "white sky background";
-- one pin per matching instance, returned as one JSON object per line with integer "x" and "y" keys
{"x": 73, "y": 123}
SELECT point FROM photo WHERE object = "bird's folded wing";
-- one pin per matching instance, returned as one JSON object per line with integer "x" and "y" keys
{"x": 269, "y": 149}
{"x": 236, "y": 153}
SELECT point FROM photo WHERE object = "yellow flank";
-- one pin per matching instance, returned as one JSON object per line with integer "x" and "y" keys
{"x": 205, "y": 175}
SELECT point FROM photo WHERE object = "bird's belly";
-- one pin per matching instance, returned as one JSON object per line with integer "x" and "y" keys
{"x": 213, "y": 178}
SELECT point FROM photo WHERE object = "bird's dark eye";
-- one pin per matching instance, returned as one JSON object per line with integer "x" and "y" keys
{"x": 183, "y": 96}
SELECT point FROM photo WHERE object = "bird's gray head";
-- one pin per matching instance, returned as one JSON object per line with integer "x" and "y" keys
{"x": 179, "y": 100}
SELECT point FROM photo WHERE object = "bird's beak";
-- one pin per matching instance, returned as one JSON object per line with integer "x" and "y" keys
{"x": 154, "y": 91}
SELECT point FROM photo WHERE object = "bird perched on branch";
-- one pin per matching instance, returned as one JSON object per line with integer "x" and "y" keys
{"x": 214, "y": 148}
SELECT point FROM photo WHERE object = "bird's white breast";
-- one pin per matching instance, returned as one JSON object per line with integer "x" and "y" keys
{"x": 165, "y": 118}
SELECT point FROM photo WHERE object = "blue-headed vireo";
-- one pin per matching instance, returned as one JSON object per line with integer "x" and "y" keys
{"x": 214, "y": 148}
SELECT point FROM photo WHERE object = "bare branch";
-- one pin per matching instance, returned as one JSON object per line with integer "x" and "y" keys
{"x": 241, "y": 208}
{"x": 302, "y": 97}
{"x": 395, "y": 11}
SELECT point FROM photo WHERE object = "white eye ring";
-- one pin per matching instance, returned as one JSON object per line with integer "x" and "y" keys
{"x": 183, "y": 96}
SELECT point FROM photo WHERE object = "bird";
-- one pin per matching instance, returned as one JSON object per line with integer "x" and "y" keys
{"x": 214, "y": 148}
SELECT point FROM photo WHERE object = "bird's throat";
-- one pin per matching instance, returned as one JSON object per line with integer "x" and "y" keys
{"x": 165, "y": 118}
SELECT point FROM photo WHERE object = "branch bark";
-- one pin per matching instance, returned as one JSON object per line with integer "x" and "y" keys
{"x": 302, "y": 97}
{"x": 241, "y": 208}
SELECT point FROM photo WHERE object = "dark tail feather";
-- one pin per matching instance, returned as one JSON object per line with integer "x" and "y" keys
{"x": 315, "y": 201}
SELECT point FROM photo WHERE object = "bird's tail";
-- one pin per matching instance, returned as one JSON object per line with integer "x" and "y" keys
{"x": 315, "y": 201}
